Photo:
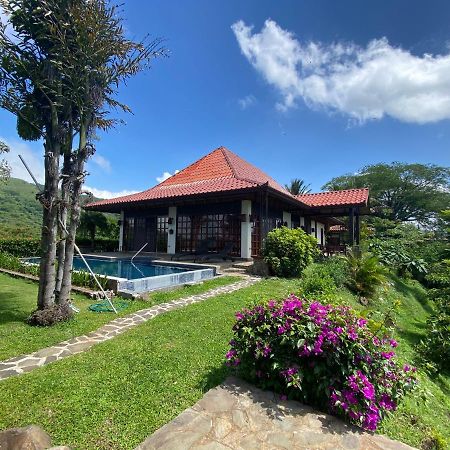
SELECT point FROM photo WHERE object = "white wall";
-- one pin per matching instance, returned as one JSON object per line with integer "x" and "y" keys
{"x": 122, "y": 228}
{"x": 287, "y": 219}
{"x": 246, "y": 230}
{"x": 172, "y": 237}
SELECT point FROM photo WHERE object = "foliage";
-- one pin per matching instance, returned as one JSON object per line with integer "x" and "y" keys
{"x": 288, "y": 251}
{"x": 435, "y": 348}
{"x": 61, "y": 66}
{"x": 20, "y": 213}
{"x": 100, "y": 245}
{"x": 399, "y": 191}
{"x": 393, "y": 255}
{"x": 90, "y": 223}
{"x": 298, "y": 186}
{"x": 79, "y": 278}
{"x": 21, "y": 248}
{"x": 322, "y": 355}
{"x": 365, "y": 274}
{"x": 323, "y": 279}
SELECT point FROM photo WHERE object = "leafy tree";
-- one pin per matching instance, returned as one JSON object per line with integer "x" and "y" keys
{"x": 60, "y": 72}
{"x": 91, "y": 222}
{"x": 5, "y": 170}
{"x": 399, "y": 191}
{"x": 298, "y": 186}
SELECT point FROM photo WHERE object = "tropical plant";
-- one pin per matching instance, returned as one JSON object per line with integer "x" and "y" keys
{"x": 395, "y": 256}
{"x": 365, "y": 274}
{"x": 91, "y": 222}
{"x": 435, "y": 348}
{"x": 61, "y": 67}
{"x": 298, "y": 186}
{"x": 322, "y": 355}
{"x": 288, "y": 251}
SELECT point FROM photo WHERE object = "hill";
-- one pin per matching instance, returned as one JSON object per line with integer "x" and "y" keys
{"x": 20, "y": 212}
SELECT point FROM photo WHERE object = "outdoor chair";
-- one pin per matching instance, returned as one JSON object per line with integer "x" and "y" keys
{"x": 222, "y": 254}
{"x": 201, "y": 250}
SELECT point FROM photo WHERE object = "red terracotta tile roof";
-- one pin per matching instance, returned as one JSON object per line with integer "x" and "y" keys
{"x": 218, "y": 171}
{"x": 355, "y": 197}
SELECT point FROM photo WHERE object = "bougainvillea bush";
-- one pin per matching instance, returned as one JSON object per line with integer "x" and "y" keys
{"x": 323, "y": 355}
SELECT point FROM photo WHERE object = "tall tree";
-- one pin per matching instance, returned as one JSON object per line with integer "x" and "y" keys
{"x": 91, "y": 222}
{"x": 60, "y": 72}
{"x": 402, "y": 192}
{"x": 298, "y": 186}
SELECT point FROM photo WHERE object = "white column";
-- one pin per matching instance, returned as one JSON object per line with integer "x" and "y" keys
{"x": 172, "y": 231}
{"x": 287, "y": 219}
{"x": 246, "y": 230}
{"x": 122, "y": 228}
{"x": 302, "y": 221}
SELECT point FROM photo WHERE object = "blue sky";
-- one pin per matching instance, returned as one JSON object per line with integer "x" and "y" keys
{"x": 314, "y": 90}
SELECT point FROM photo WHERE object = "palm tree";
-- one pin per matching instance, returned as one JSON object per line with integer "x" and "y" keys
{"x": 298, "y": 186}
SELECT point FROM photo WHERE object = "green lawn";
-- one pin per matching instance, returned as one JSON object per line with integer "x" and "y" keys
{"x": 122, "y": 390}
{"x": 18, "y": 299}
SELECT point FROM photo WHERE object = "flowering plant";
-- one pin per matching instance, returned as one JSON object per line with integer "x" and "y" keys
{"x": 322, "y": 355}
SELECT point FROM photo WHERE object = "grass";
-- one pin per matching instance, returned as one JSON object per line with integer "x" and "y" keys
{"x": 120, "y": 391}
{"x": 18, "y": 299}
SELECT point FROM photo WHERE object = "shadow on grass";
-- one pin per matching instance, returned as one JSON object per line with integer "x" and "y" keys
{"x": 214, "y": 377}
{"x": 10, "y": 308}
{"x": 408, "y": 289}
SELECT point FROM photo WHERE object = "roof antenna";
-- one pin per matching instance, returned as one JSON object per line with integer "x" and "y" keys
{"x": 75, "y": 245}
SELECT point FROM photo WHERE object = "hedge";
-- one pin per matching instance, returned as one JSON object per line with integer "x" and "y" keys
{"x": 23, "y": 248}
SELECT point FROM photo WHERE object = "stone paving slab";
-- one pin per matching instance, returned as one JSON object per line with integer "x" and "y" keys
{"x": 26, "y": 363}
{"x": 239, "y": 416}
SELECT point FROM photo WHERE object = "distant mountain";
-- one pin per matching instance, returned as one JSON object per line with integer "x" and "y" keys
{"x": 19, "y": 209}
{"x": 20, "y": 212}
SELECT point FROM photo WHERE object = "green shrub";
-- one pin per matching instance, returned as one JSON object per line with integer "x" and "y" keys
{"x": 288, "y": 252}
{"x": 365, "y": 274}
{"x": 79, "y": 278}
{"x": 21, "y": 248}
{"x": 435, "y": 348}
{"x": 317, "y": 282}
{"x": 396, "y": 256}
{"x": 100, "y": 245}
{"x": 322, "y": 355}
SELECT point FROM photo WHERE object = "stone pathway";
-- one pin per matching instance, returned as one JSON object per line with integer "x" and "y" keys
{"x": 238, "y": 416}
{"x": 27, "y": 363}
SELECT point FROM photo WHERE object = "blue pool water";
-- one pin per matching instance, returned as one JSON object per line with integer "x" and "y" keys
{"x": 121, "y": 268}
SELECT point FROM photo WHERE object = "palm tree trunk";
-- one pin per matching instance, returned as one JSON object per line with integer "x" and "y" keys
{"x": 62, "y": 222}
{"x": 46, "y": 292}
{"x": 75, "y": 214}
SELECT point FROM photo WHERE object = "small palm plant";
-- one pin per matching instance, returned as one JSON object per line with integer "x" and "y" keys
{"x": 365, "y": 274}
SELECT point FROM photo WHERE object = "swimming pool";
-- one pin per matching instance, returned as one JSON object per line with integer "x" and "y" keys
{"x": 121, "y": 268}
{"x": 141, "y": 275}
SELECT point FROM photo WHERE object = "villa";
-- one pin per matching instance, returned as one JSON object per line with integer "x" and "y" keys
{"x": 224, "y": 199}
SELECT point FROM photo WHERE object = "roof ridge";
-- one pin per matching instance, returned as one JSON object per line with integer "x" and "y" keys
{"x": 224, "y": 151}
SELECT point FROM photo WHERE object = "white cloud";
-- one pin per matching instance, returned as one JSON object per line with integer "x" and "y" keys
{"x": 102, "y": 162}
{"x": 246, "y": 101}
{"x": 165, "y": 175}
{"x": 105, "y": 194}
{"x": 34, "y": 160}
{"x": 362, "y": 83}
